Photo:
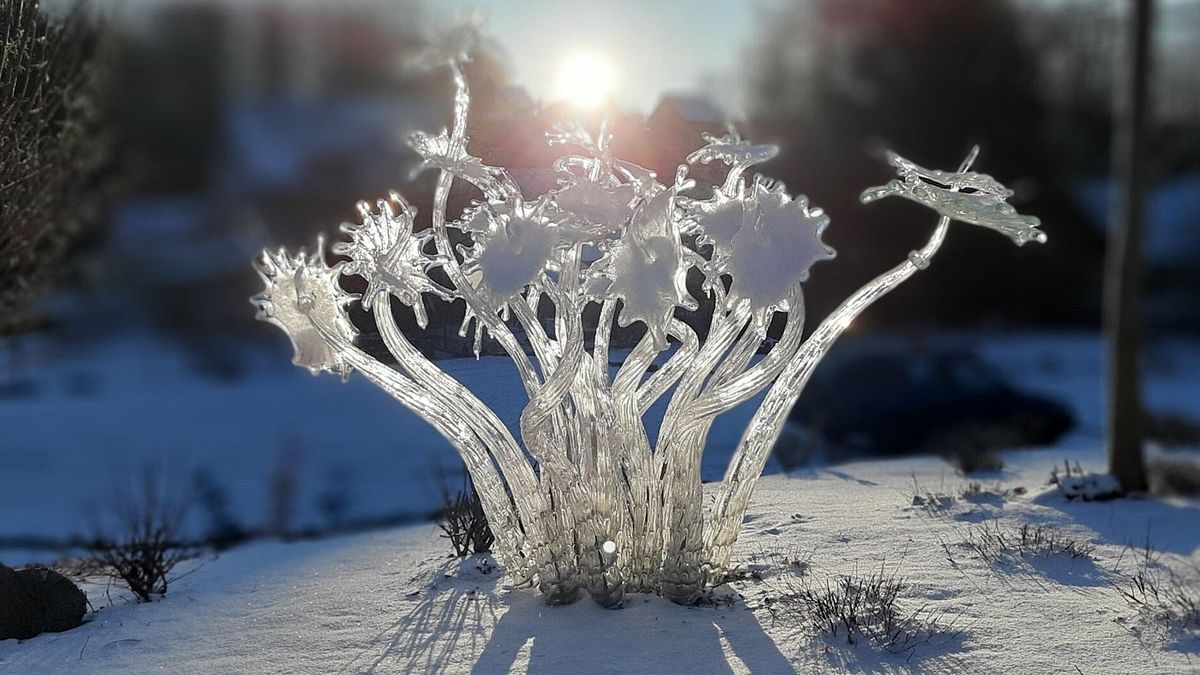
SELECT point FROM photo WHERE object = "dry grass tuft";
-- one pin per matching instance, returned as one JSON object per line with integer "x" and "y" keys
{"x": 859, "y": 607}
{"x": 997, "y": 545}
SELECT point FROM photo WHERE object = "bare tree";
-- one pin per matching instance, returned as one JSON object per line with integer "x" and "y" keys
{"x": 1122, "y": 307}
{"x": 50, "y": 151}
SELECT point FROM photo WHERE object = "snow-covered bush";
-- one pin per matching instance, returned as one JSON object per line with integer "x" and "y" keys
{"x": 1078, "y": 484}
{"x": 582, "y": 496}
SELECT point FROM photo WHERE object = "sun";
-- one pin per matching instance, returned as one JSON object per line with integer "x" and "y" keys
{"x": 585, "y": 79}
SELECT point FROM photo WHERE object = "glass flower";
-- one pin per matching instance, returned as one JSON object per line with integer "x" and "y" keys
{"x": 513, "y": 245}
{"x": 302, "y": 289}
{"x": 647, "y": 269}
{"x": 384, "y": 250}
{"x": 764, "y": 240}
{"x": 965, "y": 196}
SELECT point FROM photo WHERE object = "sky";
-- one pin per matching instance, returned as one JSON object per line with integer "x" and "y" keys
{"x": 666, "y": 46}
{"x": 654, "y": 46}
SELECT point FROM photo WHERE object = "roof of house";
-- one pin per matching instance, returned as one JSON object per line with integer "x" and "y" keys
{"x": 695, "y": 108}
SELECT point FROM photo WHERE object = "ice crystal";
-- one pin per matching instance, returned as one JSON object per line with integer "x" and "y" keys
{"x": 578, "y": 496}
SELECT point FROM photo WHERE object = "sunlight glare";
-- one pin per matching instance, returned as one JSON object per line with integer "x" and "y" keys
{"x": 585, "y": 79}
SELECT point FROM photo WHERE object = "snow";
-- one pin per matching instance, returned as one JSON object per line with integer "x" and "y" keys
{"x": 392, "y": 601}
{"x": 1089, "y": 487}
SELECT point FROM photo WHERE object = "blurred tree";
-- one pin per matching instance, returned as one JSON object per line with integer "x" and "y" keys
{"x": 1076, "y": 41}
{"x": 51, "y": 71}
{"x": 239, "y": 123}
{"x": 837, "y": 80}
{"x": 1174, "y": 139}
{"x": 166, "y": 100}
{"x": 1122, "y": 309}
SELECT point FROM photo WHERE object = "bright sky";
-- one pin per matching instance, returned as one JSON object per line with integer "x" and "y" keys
{"x": 653, "y": 46}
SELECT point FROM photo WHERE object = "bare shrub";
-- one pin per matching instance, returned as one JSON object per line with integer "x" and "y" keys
{"x": 965, "y": 498}
{"x": 1174, "y": 473}
{"x": 932, "y": 503}
{"x": 972, "y": 461}
{"x": 1162, "y": 598}
{"x": 997, "y": 545}
{"x": 223, "y": 530}
{"x": 858, "y": 606}
{"x": 767, "y": 561}
{"x": 975, "y": 491}
{"x": 1172, "y": 430}
{"x": 799, "y": 446}
{"x": 140, "y": 543}
{"x": 463, "y": 521}
{"x": 283, "y": 484}
{"x": 972, "y": 448}
{"x": 1057, "y": 476}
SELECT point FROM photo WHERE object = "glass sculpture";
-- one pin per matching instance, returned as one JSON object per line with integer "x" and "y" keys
{"x": 579, "y": 497}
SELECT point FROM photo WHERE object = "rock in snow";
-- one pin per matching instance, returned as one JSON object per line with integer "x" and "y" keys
{"x": 38, "y": 600}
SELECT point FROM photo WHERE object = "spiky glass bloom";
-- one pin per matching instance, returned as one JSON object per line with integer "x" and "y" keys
{"x": 579, "y": 497}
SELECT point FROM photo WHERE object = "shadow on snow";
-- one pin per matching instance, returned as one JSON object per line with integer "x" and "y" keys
{"x": 467, "y": 620}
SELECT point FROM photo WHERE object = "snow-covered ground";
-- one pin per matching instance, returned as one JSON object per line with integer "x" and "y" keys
{"x": 392, "y": 601}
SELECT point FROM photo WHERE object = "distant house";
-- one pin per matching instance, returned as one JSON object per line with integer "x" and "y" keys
{"x": 688, "y": 111}
{"x": 675, "y": 128}
{"x": 501, "y": 104}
